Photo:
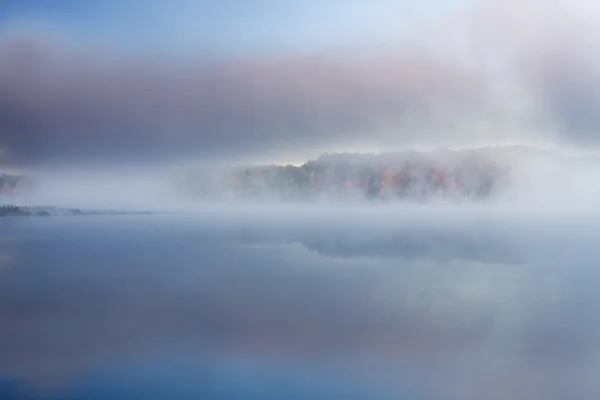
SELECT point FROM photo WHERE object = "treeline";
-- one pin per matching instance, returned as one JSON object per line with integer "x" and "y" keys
{"x": 407, "y": 175}
{"x": 12, "y": 210}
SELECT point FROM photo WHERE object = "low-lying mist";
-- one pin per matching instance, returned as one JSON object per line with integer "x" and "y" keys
{"x": 434, "y": 295}
{"x": 536, "y": 182}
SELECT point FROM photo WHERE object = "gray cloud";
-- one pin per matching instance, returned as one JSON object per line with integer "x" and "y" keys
{"x": 523, "y": 73}
{"x": 76, "y": 102}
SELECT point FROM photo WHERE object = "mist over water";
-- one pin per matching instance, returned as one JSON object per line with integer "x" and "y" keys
{"x": 351, "y": 298}
{"x": 537, "y": 182}
{"x": 102, "y": 189}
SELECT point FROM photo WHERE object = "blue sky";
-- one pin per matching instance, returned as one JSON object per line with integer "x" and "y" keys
{"x": 230, "y": 26}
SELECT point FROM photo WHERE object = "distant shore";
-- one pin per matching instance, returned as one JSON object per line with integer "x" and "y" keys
{"x": 17, "y": 211}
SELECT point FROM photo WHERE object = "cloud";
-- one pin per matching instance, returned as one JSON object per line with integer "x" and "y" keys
{"x": 53, "y": 100}
{"x": 497, "y": 72}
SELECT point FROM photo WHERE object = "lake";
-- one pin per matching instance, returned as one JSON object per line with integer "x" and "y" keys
{"x": 233, "y": 304}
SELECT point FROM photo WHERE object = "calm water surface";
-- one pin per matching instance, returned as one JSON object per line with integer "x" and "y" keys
{"x": 229, "y": 306}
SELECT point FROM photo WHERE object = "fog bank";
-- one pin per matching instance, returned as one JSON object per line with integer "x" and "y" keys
{"x": 538, "y": 182}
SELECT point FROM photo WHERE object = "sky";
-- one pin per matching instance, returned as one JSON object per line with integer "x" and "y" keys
{"x": 171, "y": 81}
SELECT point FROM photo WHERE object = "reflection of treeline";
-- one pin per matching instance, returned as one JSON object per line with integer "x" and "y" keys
{"x": 387, "y": 176}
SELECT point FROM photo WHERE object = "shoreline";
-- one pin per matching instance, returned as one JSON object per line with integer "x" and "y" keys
{"x": 18, "y": 211}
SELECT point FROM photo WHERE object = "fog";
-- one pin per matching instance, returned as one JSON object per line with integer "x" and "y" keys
{"x": 100, "y": 190}
{"x": 222, "y": 296}
{"x": 537, "y": 182}
{"x": 440, "y": 299}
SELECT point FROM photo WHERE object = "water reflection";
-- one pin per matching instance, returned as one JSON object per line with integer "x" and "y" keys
{"x": 489, "y": 309}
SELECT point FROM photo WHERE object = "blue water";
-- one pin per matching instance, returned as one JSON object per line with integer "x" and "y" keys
{"x": 232, "y": 307}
